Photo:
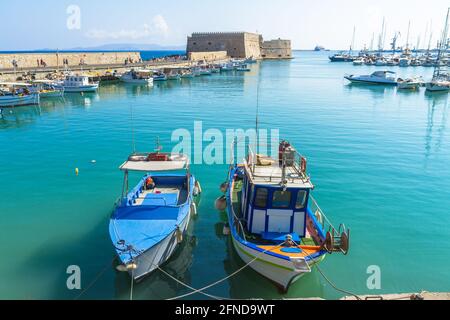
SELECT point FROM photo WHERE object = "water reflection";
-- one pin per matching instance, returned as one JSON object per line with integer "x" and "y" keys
{"x": 436, "y": 122}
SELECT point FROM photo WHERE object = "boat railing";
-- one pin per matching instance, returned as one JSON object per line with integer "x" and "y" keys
{"x": 238, "y": 223}
{"x": 333, "y": 240}
{"x": 296, "y": 167}
{"x": 320, "y": 215}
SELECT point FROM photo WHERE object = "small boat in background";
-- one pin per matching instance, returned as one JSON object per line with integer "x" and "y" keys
{"x": 250, "y": 60}
{"x": 159, "y": 76}
{"x": 150, "y": 221}
{"x": 404, "y": 62}
{"x": 410, "y": 83}
{"x": 378, "y": 77}
{"x": 46, "y": 89}
{"x": 187, "y": 74}
{"x": 441, "y": 78}
{"x": 226, "y": 67}
{"x": 358, "y": 62}
{"x": 78, "y": 84}
{"x": 341, "y": 57}
{"x": 10, "y": 99}
{"x": 174, "y": 76}
{"x": 137, "y": 77}
{"x": 243, "y": 68}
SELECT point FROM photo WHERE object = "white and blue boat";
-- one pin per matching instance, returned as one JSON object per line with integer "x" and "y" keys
{"x": 149, "y": 222}
{"x": 159, "y": 76}
{"x": 276, "y": 225}
{"x": 378, "y": 77}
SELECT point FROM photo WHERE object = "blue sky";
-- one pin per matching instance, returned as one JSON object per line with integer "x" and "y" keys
{"x": 30, "y": 24}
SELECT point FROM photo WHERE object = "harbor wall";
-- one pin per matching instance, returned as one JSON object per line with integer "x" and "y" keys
{"x": 276, "y": 49}
{"x": 30, "y": 60}
{"x": 207, "y": 56}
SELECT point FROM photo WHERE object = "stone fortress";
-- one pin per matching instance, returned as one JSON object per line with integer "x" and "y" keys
{"x": 236, "y": 45}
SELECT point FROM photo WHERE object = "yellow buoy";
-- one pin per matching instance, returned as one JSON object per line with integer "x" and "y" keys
{"x": 77, "y": 171}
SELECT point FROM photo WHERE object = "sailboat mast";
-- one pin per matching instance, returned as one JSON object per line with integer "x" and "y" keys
{"x": 353, "y": 41}
{"x": 442, "y": 48}
{"x": 407, "y": 37}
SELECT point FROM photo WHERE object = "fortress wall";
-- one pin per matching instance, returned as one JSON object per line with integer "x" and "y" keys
{"x": 276, "y": 49}
{"x": 208, "y": 56}
{"x": 236, "y": 44}
{"x": 29, "y": 60}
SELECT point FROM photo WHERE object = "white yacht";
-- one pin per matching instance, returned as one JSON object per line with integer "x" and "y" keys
{"x": 378, "y": 77}
{"x": 410, "y": 83}
{"x": 78, "y": 83}
{"x": 138, "y": 77}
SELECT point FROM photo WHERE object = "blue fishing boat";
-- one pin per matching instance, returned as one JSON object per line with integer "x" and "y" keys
{"x": 276, "y": 225}
{"x": 149, "y": 221}
{"x": 159, "y": 76}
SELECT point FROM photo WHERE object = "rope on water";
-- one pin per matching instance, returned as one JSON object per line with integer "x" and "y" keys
{"x": 334, "y": 286}
{"x": 227, "y": 277}
{"x": 97, "y": 277}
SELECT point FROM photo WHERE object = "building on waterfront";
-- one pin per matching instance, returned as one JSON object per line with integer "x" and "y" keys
{"x": 276, "y": 49}
{"x": 238, "y": 45}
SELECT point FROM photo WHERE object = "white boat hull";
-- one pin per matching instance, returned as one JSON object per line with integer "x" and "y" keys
{"x": 156, "y": 256}
{"x": 147, "y": 82}
{"x": 282, "y": 272}
{"x": 15, "y": 101}
{"x": 89, "y": 88}
{"x": 438, "y": 87}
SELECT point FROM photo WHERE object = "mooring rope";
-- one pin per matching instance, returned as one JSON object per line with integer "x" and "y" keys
{"x": 227, "y": 277}
{"x": 334, "y": 286}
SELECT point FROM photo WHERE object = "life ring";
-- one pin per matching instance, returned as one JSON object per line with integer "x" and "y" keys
{"x": 303, "y": 165}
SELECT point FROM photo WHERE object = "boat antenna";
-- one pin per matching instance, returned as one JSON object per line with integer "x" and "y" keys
{"x": 257, "y": 108}
{"x": 132, "y": 129}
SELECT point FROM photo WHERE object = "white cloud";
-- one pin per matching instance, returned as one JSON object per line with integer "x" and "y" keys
{"x": 157, "y": 27}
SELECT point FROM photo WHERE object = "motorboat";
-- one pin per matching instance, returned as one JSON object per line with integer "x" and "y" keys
{"x": 358, "y": 62}
{"x": 277, "y": 228}
{"x": 77, "y": 84}
{"x": 138, "y": 77}
{"x": 378, "y": 77}
{"x": 159, "y": 76}
{"x": 410, "y": 83}
{"x": 243, "y": 68}
{"x": 341, "y": 57}
{"x": 174, "y": 76}
{"x": 404, "y": 62}
{"x": 150, "y": 221}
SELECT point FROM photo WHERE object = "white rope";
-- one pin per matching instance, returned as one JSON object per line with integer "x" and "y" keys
{"x": 226, "y": 278}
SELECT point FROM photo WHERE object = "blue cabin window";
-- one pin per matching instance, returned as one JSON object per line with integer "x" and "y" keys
{"x": 261, "y": 198}
{"x": 281, "y": 199}
{"x": 301, "y": 199}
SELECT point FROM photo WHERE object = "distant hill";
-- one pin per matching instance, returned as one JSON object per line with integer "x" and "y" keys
{"x": 131, "y": 47}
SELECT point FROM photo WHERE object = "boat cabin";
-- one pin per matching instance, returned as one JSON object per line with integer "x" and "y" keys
{"x": 275, "y": 194}
{"x": 160, "y": 186}
{"x": 76, "y": 81}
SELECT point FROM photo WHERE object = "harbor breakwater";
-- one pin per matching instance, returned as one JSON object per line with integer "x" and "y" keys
{"x": 10, "y": 61}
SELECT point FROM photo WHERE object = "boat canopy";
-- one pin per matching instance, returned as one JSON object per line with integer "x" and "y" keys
{"x": 164, "y": 162}
{"x": 382, "y": 73}
{"x": 15, "y": 84}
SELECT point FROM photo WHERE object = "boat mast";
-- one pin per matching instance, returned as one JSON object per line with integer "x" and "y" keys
{"x": 407, "y": 37}
{"x": 380, "y": 39}
{"x": 442, "y": 49}
{"x": 353, "y": 41}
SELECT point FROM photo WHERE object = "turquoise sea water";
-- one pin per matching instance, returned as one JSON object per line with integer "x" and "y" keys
{"x": 379, "y": 159}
